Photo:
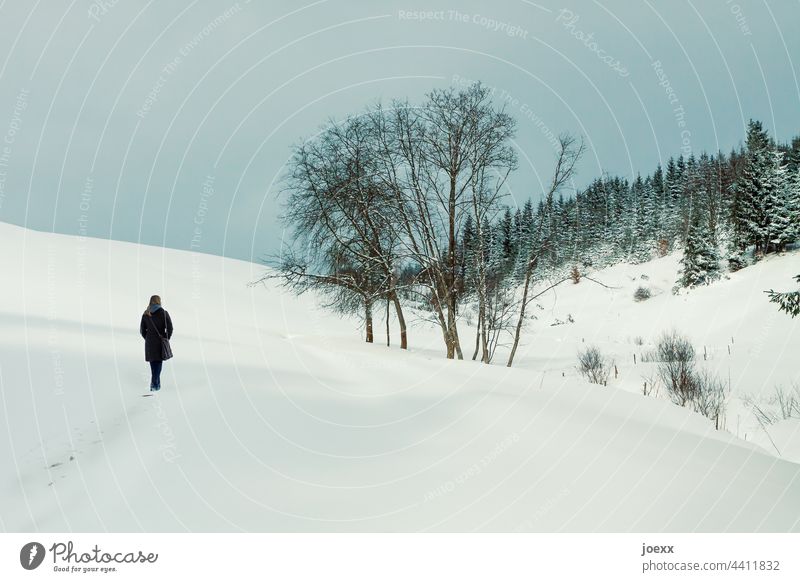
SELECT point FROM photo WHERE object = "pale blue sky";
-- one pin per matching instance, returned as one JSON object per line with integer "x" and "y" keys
{"x": 99, "y": 135}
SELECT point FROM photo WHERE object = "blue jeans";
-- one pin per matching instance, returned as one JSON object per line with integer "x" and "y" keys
{"x": 155, "y": 369}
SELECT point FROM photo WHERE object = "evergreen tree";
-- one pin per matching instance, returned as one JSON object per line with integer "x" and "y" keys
{"x": 526, "y": 226}
{"x": 468, "y": 250}
{"x": 700, "y": 259}
{"x": 793, "y": 157}
{"x": 649, "y": 206}
{"x": 793, "y": 204}
{"x": 781, "y": 227}
{"x": 711, "y": 202}
{"x": 788, "y": 302}
{"x": 731, "y": 234}
{"x": 754, "y": 189}
{"x": 496, "y": 252}
{"x": 673, "y": 186}
{"x": 731, "y": 202}
{"x": 525, "y": 242}
{"x": 506, "y": 235}
{"x": 642, "y": 211}
{"x": 691, "y": 184}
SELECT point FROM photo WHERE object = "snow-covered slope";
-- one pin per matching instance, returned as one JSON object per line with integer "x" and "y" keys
{"x": 737, "y": 334}
{"x": 274, "y": 415}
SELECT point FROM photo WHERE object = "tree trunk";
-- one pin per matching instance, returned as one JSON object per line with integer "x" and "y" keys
{"x": 484, "y": 342}
{"x": 401, "y": 320}
{"x": 484, "y": 330}
{"x": 481, "y": 288}
{"x": 388, "y": 335}
{"x": 477, "y": 338}
{"x": 459, "y": 353}
{"x": 451, "y": 277}
{"x": 368, "y": 318}
{"x": 521, "y": 320}
{"x": 445, "y": 332}
{"x": 454, "y": 346}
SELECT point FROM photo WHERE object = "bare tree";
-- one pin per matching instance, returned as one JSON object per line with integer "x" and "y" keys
{"x": 569, "y": 153}
{"x": 501, "y": 309}
{"x": 341, "y": 242}
{"x": 441, "y": 161}
{"x": 492, "y": 161}
{"x": 345, "y": 288}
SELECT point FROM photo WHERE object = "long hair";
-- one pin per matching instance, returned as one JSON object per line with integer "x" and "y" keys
{"x": 154, "y": 299}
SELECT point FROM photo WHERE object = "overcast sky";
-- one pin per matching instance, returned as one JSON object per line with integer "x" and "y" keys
{"x": 170, "y": 122}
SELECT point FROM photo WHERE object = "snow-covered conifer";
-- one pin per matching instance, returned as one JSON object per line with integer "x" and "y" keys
{"x": 700, "y": 257}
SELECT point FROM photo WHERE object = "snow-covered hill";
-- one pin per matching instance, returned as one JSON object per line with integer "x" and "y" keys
{"x": 738, "y": 335}
{"x": 275, "y": 416}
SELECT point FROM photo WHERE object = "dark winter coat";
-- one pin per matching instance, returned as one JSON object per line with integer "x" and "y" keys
{"x": 152, "y": 343}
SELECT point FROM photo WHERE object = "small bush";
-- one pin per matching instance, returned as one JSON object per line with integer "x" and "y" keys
{"x": 593, "y": 365}
{"x": 650, "y": 386}
{"x": 575, "y": 274}
{"x": 676, "y": 366}
{"x": 711, "y": 396}
{"x": 638, "y": 340}
{"x": 702, "y": 391}
{"x": 642, "y": 294}
{"x": 674, "y": 347}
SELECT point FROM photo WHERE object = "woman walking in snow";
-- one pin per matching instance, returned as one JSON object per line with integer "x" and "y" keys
{"x": 156, "y": 329}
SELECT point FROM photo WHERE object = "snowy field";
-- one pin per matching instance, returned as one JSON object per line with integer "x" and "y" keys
{"x": 275, "y": 416}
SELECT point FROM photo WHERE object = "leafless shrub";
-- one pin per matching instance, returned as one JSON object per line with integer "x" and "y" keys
{"x": 781, "y": 405}
{"x": 676, "y": 367}
{"x": 787, "y": 402}
{"x": 638, "y": 340}
{"x": 674, "y": 347}
{"x": 593, "y": 365}
{"x": 701, "y": 391}
{"x": 649, "y": 356}
{"x": 710, "y": 396}
{"x": 651, "y": 386}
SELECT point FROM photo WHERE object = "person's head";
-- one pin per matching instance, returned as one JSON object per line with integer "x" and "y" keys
{"x": 154, "y": 300}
